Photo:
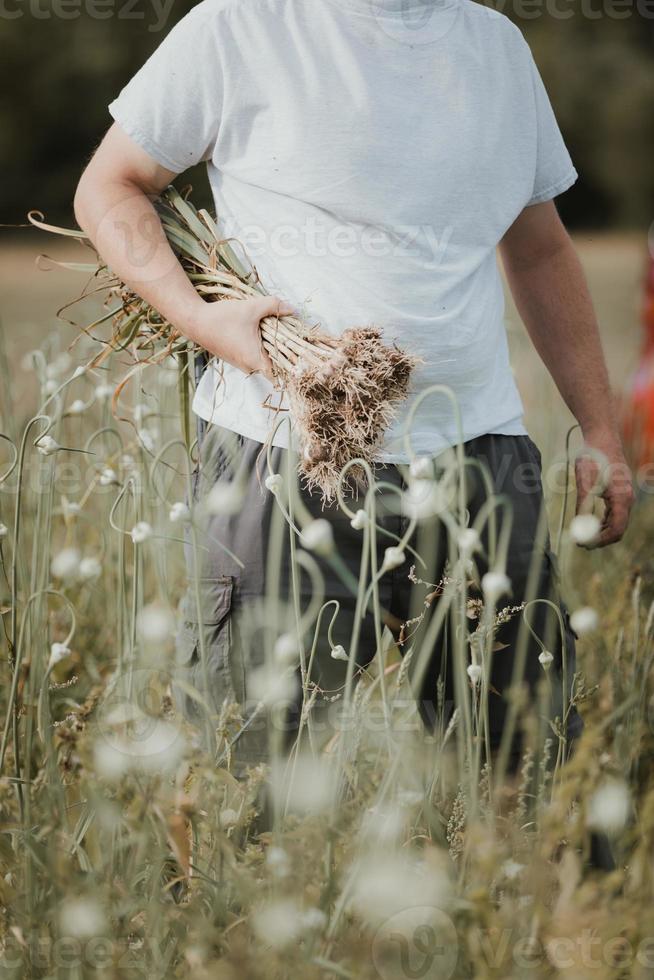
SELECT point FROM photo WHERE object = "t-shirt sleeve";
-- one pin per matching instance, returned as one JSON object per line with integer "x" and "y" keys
{"x": 172, "y": 106}
{"x": 555, "y": 171}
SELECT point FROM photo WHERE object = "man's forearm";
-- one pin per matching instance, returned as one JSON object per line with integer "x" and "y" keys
{"x": 552, "y": 297}
{"x": 122, "y": 223}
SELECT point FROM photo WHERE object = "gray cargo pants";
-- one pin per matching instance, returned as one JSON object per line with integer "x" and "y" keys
{"x": 244, "y": 554}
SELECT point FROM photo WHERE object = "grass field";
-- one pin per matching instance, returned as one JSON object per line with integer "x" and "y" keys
{"x": 126, "y": 852}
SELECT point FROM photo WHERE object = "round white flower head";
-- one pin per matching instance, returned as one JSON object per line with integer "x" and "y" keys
{"x": 90, "y": 568}
{"x": 71, "y": 508}
{"x": 274, "y": 483}
{"x": 359, "y": 521}
{"x": 141, "y": 412}
{"x": 393, "y": 558}
{"x": 474, "y": 672}
{"x": 313, "y": 919}
{"x": 286, "y": 650}
{"x": 147, "y": 439}
{"x": 609, "y": 807}
{"x": 228, "y": 818}
{"x": 79, "y": 371}
{"x": 58, "y": 652}
{"x": 66, "y": 563}
{"x": 421, "y": 468}
{"x": 584, "y": 620}
{"x": 47, "y": 446}
{"x": 77, "y": 407}
{"x": 546, "y": 659}
{"x": 179, "y": 513}
{"x": 141, "y": 532}
{"x": 278, "y": 861}
{"x": 4, "y": 530}
{"x": 339, "y": 653}
{"x": 318, "y": 536}
{"x": 278, "y": 924}
{"x": 468, "y": 541}
{"x": 584, "y": 528}
{"x": 103, "y": 392}
{"x": 155, "y": 623}
{"x": 82, "y": 918}
{"x": 226, "y": 497}
{"x": 108, "y": 477}
{"x": 494, "y": 585}
{"x": 51, "y": 386}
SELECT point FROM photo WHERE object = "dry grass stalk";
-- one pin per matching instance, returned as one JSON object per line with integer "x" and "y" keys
{"x": 343, "y": 391}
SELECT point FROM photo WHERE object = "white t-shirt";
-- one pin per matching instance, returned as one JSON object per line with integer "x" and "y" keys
{"x": 370, "y": 155}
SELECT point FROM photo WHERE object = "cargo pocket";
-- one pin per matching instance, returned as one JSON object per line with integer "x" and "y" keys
{"x": 213, "y": 622}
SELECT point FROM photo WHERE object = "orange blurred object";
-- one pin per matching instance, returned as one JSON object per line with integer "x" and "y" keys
{"x": 638, "y": 400}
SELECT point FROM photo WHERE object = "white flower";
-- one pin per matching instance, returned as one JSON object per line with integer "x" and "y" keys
{"x": 387, "y": 885}
{"x": 51, "y": 386}
{"x": 82, "y": 918}
{"x": 474, "y": 672}
{"x": 226, "y": 497}
{"x": 110, "y": 761}
{"x": 127, "y": 461}
{"x": 141, "y": 532}
{"x": 546, "y": 659}
{"x": 108, "y": 477}
{"x": 103, "y": 392}
{"x": 393, "y": 558}
{"x": 271, "y": 686}
{"x": 155, "y": 623}
{"x": 410, "y": 798}
{"x": 60, "y": 365}
{"x": 179, "y": 513}
{"x": 306, "y": 787}
{"x": 47, "y": 446}
{"x": 287, "y": 650}
{"x": 584, "y": 528}
{"x": 90, "y": 568}
{"x": 339, "y": 653}
{"x": 609, "y": 807}
{"x": 228, "y": 818}
{"x": 426, "y": 498}
{"x": 70, "y": 507}
{"x": 421, "y": 468}
{"x": 584, "y": 620}
{"x": 469, "y": 541}
{"x": 274, "y": 483}
{"x": 494, "y": 585}
{"x": 77, "y": 407}
{"x": 66, "y": 563}
{"x": 79, "y": 371}
{"x": 313, "y": 920}
{"x": 512, "y": 870}
{"x": 141, "y": 412}
{"x": 278, "y": 924}
{"x": 4, "y": 530}
{"x": 278, "y": 861}
{"x": 318, "y": 536}
{"x": 58, "y": 652}
{"x": 146, "y": 439}
{"x": 359, "y": 521}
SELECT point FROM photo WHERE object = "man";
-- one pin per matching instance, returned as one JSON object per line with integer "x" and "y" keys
{"x": 372, "y": 155}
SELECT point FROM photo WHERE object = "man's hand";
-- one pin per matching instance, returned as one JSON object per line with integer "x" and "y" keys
{"x": 113, "y": 205}
{"x": 231, "y": 330}
{"x": 602, "y": 471}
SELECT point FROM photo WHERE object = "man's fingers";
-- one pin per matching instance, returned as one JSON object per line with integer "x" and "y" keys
{"x": 586, "y": 475}
{"x": 274, "y": 306}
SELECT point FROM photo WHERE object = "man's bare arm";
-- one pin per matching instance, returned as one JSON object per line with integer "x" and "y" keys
{"x": 552, "y": 297}
{"x": 113, "y": 205}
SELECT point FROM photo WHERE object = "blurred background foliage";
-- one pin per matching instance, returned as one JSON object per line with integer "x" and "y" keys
{"x": 64, "y": 60}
